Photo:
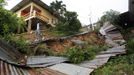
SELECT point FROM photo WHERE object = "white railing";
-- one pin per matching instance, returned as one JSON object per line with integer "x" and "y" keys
{"x": 35, "y": 14}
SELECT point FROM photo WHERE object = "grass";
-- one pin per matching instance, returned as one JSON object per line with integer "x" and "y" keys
{"x": 18, "y": 42}
{"x": 121, "y": 65}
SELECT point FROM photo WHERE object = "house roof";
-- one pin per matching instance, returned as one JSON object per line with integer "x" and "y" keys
{"x": 38, "y": 2}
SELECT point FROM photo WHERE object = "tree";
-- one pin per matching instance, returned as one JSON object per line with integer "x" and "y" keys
{"x": 9, "y": 22}
{"x": 70, "y": 24}
{"x": 21, "y": 27}
{"x": 110, "y": 16}
{"x": 2, "y": 2}
{"x": 58, "y": 7}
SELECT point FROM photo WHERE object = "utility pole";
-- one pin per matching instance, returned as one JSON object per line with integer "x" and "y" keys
{"x": 90, "y": 20}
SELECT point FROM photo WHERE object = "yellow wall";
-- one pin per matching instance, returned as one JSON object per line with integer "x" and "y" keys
{"x": 19, "y": 11}
{"x": 46, "y": 13}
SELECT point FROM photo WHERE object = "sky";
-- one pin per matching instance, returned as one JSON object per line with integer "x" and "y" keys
{"x": 86, "y": 9}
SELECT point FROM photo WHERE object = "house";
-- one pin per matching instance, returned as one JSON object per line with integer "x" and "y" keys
{"x": 35, "y": 11}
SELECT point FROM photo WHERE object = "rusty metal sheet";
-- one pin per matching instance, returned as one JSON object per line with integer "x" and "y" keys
{"x": 9, "y": 69}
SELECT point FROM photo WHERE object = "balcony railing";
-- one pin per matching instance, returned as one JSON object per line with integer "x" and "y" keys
{"x": 26, "y": 16}
{"x": 35, "y": 14}
{"x": 42, "y": 17}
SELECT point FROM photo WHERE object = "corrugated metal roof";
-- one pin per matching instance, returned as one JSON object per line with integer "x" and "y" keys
{"x": 71, "y": 69}
{"x": 9, "y": 54}
{"x": 9, "y": 63}
{"x": 44, "y": 61}
{"x": 10, "y": 69}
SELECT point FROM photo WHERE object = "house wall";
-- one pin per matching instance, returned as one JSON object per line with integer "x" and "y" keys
{"x": 19, "y": 11}
{"x": 46, "y": 14}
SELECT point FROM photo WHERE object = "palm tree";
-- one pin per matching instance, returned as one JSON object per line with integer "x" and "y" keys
{"x": 58, "y": 7}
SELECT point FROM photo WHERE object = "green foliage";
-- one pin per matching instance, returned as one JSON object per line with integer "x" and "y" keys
{"x": 9, "y": 22}
{"x": 117, "y": 66}
{"x": 18, "y": 42}
{"x": 70, "y": 24}
{"x": 121, "y": 65}
{"x": 130, "y": 46}
{"x": 77, "y": 55}
{"x": 22, "y": 46}
{"x": 118, "y": 69}
{"x": 130, "y": 59}
{"x": 58, "y": 7}
{"x": 21, "y": 27}
{"x": 109, "y": 16}
{"x": 42, "y": 49}
{"x": 2, "y": 2}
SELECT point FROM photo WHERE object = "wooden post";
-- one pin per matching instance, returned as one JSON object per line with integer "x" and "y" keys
{"x": 30, "y": 21}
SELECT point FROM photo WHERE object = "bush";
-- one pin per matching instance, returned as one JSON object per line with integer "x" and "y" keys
{"x": 9, "y": 22}
{"x": 130, "y": 46}
{"x": 77, "y": 55}
{"x": 130, "y": 59}
{"x": 118, "y": 69}
{"x": 18, "y": 42}
{"x": 22, "y": 46}
{"x": 41, "y": 49}
{"x": 121, "y": 65}
{"x": 70, "y": 24}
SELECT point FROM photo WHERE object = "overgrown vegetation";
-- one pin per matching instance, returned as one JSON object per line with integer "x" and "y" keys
{"x": 77, "y": 54}
{"x": 42, "y": 49}
{"x": 9, "y": 22}
{"x": 18, "y": 42}
{"x": 121, "y": 65}
{"x": 69, "y": 23}
{"x": 130, "y": 46}
{"x": 110, "y": 16}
